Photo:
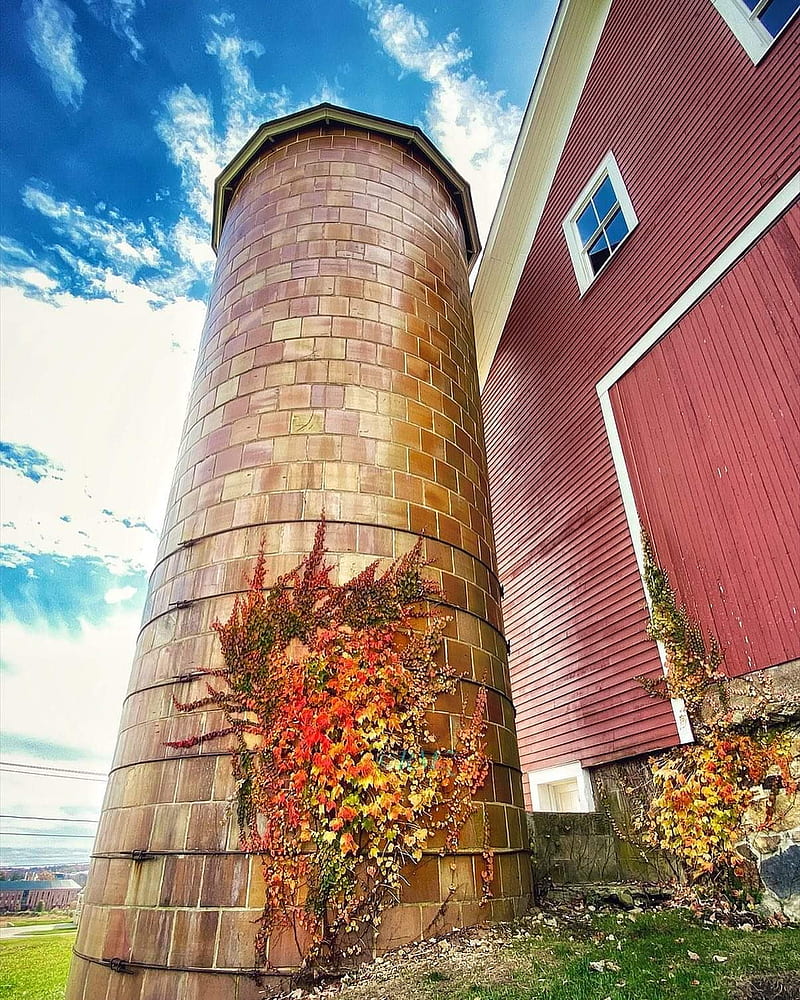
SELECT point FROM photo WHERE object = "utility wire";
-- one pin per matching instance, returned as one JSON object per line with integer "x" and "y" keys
{"x": 70, "y": 836}
{"x": 51, "y": 819}
{"x": 50, "y": 767}
{"x": 47, "y": 774}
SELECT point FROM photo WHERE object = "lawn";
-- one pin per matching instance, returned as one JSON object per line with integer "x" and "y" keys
{"x": 36, "y": 967}
{"x": 657, "y": 956}
{"x": 30, "y": 919}
{"x": 652, "y": 956}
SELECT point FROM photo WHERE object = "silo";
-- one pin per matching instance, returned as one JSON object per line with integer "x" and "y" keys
{"x": 336, "y": 373}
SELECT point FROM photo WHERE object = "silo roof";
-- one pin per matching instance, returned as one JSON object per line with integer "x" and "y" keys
{"x": 268, "y": 133}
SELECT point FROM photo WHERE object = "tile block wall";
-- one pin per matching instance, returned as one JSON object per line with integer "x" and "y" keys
{"x": 336, "y": 373}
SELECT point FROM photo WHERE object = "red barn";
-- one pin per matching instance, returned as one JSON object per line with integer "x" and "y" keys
{"x": 636, "y": 319}
{"x": 27, "y": 894}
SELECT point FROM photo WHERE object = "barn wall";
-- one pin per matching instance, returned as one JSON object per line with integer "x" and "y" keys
{"x": 708, "y": 422}
{"x": 704, "y": 139}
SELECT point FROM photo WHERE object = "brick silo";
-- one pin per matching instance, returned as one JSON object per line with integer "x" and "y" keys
{"x": 336, "y": 372}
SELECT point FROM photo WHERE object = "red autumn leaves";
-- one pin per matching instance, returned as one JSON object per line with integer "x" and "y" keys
{"x": 340, "y": 782}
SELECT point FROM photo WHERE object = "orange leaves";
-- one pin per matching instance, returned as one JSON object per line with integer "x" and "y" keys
{"x": 347, "y": 844}
{"x": 343, "y": 785}
{"x": 707, "y": 795}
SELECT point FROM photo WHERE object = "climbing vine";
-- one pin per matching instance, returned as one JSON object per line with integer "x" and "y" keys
{"x": 710, "y": 794}
{"x": 340, "y": 783}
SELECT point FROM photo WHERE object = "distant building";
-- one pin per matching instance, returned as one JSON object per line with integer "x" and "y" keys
{"x": 26, "y": 894}
{"x": 636, "y": 326}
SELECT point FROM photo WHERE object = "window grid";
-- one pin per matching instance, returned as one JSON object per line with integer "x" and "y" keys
{"x": 606, "y": 226}
{"x": 764, "y": 12}
{"x": 600, "y": 220}
{"x": 757, "y": 23}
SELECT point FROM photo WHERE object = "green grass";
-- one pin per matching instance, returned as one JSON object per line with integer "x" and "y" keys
{"x": 35, "y": 968}
{"x": 654, "y": 961}
{"x": 544, "y": 965}
{"x": 48, "y": 917}
{"x": 47, "y": 931}
{"x": 653, "y": 964}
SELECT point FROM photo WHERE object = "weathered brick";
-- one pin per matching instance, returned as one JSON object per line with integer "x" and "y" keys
{"x": 336, "y": 373}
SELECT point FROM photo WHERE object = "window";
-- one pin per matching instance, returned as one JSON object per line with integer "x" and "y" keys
{"x": 757, "y": 23}
{"x": 598, "y": 222}
{"x": 562, "y": 789}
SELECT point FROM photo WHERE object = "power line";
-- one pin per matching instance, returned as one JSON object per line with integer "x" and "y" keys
{"x": 47, "y": 774}
{"x": 44, "y": 774}
{"x": 50, "y": 767}
{"x": 70, "y": 836}
{"x": 50, "y": 819}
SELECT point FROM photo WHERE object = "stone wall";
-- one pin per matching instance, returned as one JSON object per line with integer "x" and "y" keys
{"x": 579, "y": 848}
{"x": 623, "y": 791}
{"x": 776, "y": 853}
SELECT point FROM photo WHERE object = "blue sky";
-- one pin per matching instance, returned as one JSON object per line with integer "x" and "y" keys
{"x": 116, "y": 116}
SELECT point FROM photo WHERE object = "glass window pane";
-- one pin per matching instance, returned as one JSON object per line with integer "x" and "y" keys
{"x": 775, "y": 16}
{"x": 587, "y": 224}
{"x": 616, "y": 230}
{"x": 599, "y": 253}
{"x": 752, "y": 3}
{"x": 604, "y": 199}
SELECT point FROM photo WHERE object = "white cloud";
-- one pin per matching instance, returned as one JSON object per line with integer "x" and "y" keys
{"x": 51, "y": 35}
{"x": 406, "y": 38}
{"x": 115, "y": 595}
{"x": 62, "y": 694}
{"x": 328, "y": 92}
{"x": 192, "y": 243}
{"x": 21, "y": 268}
{"x": 187, "y": 128}
{"x": 13, "y": 250}
{"x": 105, "y": 251}
{"x": 475, "y": 126}
{"x": 36, "y": 279}
{"x": 99, "y": 386}
{"x": 76, "y": 682}
{"x": 61, "y": 516}
{"x": 27, "y": 794}
{"x": 124, "y": 243}
{"x": 197, "y": 145}
{"x": 118, "y": 15}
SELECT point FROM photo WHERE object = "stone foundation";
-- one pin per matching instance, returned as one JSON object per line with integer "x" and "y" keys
{"x": 624, "y": 791}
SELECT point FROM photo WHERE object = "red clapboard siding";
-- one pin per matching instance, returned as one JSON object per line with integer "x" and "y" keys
{"x": 703, "y": 139}
{"x": 709, "y": 425}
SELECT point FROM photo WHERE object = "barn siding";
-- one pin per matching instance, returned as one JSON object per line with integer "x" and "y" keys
{"x": 703, "y": 139}
{"x": 708, "y": 422}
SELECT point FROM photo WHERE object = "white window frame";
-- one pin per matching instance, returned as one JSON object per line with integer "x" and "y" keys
{"x": 542, "y": 779}
{"x": 749, "y": 31}
{"x": 580, "y": 259}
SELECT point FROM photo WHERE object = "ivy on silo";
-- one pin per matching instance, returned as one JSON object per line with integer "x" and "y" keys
{"x": 340, "y": 784}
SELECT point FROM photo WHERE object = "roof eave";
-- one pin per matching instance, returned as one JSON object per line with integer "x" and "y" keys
{"x": 269, "y": 133}
{"x": 565, "y": 65}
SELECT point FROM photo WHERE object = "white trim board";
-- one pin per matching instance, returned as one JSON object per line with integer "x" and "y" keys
{"x": 557, "y": 90}
{"x": 585, "y": 275}
{"x": 713, "y": 273}
{"x": 748, "y": 29}
{"x": 555, "y": 775}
